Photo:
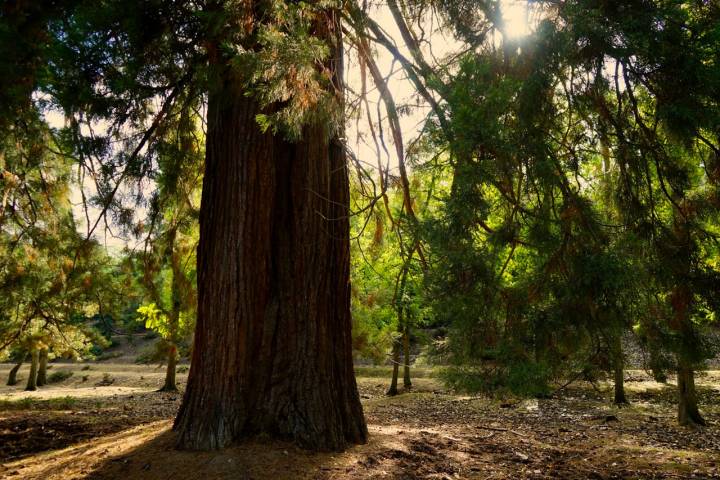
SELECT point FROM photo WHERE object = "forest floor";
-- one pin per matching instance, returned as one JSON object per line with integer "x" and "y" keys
{"x": 107, "y": 422}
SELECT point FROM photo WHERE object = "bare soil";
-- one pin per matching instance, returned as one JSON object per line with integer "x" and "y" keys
{"x": 113, "y": 425}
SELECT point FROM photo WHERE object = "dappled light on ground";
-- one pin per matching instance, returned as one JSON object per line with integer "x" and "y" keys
{"x": 427, "y": 432}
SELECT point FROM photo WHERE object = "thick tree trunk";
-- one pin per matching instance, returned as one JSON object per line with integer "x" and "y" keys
{"x": 32, "y": 376}
{"x": 170, "y": 384}
{"x": 406, "y": 357}
{"x": 12, "y": 377}
{"x": 688, "y": 413}
{"x": 42, "y": 369}
{"x": 272, "y": 350}
{"x": 619, "y": 370}
{"x": 681, "y": 300}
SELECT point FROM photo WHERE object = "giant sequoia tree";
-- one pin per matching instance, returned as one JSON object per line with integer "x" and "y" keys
{"x": 272, "y": 346}
{"x": 272, "y": 349}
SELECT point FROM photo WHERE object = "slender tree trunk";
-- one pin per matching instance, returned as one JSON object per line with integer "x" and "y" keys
{"x": 272, "y": 350}
{"x": 393, "y": 390}
{"x": 32, "y": 376}
{"x": 406, "y": 356}
{"x": 399, "y": 341}
{"x": 170, "y": 385}
{"x": 619, "y": 370}
{"x": 688, "y": 413}
{"x": 12, "y": 377}
{"x": 42, "y": 370}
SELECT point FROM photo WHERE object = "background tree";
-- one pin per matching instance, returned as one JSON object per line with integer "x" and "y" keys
{"x": 168, "y": 261}
{"x": 566, "y": 154}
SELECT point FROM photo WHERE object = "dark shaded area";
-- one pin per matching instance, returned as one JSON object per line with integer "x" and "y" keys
{"x": 41, "y": 431}
{"x": 41, "y": 428}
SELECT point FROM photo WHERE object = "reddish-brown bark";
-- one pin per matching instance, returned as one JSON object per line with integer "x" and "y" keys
{"x": 272, "y": 350}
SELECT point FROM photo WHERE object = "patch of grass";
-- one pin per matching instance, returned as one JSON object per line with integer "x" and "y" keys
{"x": 385, "y": 371}
{"x": 27, "y": 403}
{"x": 144, "y": 358}
{"x": 62, "y": 403}
{"x": 85, "y": 368}
{"x": 20, "y": 404}
{"x": 109, "y": 355}
{"x": 679, "y": 467}
{"x": 59, "y": 376}
{"x": 183, "y": 369}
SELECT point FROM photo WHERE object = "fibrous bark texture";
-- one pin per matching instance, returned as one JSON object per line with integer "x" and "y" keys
{"x": 272, "y": 350}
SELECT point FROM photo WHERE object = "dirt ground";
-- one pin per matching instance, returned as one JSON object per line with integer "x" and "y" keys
{"x": 107, "y": 422}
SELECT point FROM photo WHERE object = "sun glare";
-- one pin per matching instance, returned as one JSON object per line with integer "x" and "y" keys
{"x": 515, "y": 15}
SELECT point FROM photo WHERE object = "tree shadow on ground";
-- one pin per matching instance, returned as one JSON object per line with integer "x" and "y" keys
{"x": 32, "y": 425}
{"x": 157, "y": 458}
{"x": 147, "y": 452}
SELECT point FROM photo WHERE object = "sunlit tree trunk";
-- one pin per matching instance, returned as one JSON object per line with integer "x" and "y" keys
{"x": 170, "y": 384}
{"x": 272, "y": 351}
{"x": 32, "y": 376}
{"x": 688, "y": 413}
{"x": 42, "y": 368}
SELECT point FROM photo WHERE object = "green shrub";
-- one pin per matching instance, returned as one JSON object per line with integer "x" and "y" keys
{"x": 107, "y": 380}
{"x": 21, "y": 404}
{"x": 59, "y": 376}
{"x": 61, "y": 403}
{"x": 157, "y": 352}
{"x": 96, "y": 351}
{"x": 109, "y": 355}
{"x": 523, "y": 379}
{"x": 385, "y": 371}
